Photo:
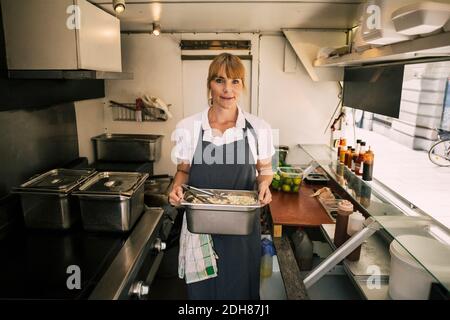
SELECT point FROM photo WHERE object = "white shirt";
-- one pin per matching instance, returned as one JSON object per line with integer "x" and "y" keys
{"x": 186, "y": 135}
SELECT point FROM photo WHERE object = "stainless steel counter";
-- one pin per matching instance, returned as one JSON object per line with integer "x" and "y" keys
{"x": 120, "y": 276}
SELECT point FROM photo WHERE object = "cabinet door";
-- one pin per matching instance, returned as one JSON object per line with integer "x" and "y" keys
{"x": 37, "y": 36}
{"x": 98, "y": 39}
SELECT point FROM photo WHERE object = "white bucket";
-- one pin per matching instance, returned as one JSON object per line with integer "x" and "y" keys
{"x": 408, "y": 279}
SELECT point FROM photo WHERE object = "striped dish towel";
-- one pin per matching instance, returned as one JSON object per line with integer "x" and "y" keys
{"x": 197, "y": 259}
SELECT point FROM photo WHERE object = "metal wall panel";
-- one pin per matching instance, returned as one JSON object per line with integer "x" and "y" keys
{"x": 35, "y": 140}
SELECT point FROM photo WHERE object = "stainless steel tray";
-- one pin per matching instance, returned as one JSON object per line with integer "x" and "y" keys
{"x": 112, "y": 209}
{"x": 127, "y": 147}
{"x": 223, "y": 219}
{"x": 56, "y": 181}
{"x": 113, "y": 183}
{"x": 47, "y": 201}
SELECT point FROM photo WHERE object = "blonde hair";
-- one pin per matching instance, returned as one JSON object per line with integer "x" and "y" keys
{"x": 228, "y": 63}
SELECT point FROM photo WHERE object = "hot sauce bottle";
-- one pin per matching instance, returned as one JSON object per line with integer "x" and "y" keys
{"x": 360, "y": 160}
{"x": 356, "y": 154}
{"x": 350, "y": 158}
{"x": 342, "y": 143}
{"x": 348, "y": 155}
{"x": 368, "y": 165}
{"x": 342, "y": 154}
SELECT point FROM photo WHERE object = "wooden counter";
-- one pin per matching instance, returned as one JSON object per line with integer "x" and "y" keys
{"x": 297, "y": 209}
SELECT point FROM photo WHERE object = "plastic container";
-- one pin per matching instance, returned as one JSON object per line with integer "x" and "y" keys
{"x": 408, "y": 279}
{"x": 288, "y": 179}
{"x": 303, "y": 250}
{"x": 377, "y": 27}
{"x": 355, "y": 224}
{"x": 345, "y": 209}
{"x": 267, "y": 253}
{"x": 421, "y": 17}
{"x": 279, "y": 158}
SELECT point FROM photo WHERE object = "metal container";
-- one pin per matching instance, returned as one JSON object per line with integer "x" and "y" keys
{"x": 127, "y": 147}
{"x": 46, "y": 198}
{"x": 157, "y": 189}
{"x": 222, "y": 218}
{"x": 112, "y": 201}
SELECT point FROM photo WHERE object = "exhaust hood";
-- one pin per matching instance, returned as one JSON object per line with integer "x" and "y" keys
{"x": 61, "y": 39}
{"x": 69, "y": 75}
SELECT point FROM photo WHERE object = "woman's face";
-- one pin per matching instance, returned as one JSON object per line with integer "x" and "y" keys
{"x": 225, "y": 92}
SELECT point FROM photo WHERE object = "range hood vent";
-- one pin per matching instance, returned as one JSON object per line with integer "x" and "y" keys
{"x": 69, "y": 75}
{"x": 215, "y": 45}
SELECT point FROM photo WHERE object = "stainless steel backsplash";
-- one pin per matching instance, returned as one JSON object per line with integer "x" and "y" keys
{"x": 35, "y": 140}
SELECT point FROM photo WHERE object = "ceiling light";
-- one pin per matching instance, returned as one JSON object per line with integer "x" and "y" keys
{"x": 156, "y": 29}
{"x": 119, "y": 5}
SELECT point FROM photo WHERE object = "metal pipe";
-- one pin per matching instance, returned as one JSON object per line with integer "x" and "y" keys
{"x": 343, "y": 251}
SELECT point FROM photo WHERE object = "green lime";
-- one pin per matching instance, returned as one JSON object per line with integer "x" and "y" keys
{"x": 296, "y": 188}
{"x": 275, "y": 184}
{"x": 284, "y": 174}
{"x": 288, "y": 181}
{"x": 276, "y": 176}
{"x": 286, "y": 188}
{"x": 297, "y": 181}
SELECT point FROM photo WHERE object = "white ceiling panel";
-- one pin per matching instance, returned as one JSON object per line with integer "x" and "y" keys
{"x": 235, "y": 16}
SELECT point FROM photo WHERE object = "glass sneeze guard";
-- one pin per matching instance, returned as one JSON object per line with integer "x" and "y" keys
{"x": 420, "y": 235}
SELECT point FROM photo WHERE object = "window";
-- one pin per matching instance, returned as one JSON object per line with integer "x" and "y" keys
{"x": 401, "y": 144}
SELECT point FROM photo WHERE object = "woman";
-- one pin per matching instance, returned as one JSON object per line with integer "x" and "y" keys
{"x": 224, "y": 147}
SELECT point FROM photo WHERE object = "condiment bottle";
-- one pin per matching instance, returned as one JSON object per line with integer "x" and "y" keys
{"x": 356, "y": 154}
{"x": 339, "y": 147}
{"x": 366, "y": 193}
{"x": 348, "y": 154}
{"x": 345, "y": 209}
{"x": 355, "y": 224}
{"x": 342, "y": 154}
{"x": 360, "y": 160}
{"x": 342, "y": 144}
{"x": 350, "y": 158}
{"x": 267, "y": 253}
{"x": 368, "y": 165}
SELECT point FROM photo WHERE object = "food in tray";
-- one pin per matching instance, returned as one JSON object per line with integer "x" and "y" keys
{"x": 324, "y": 194}
{"x": 237, "y": 200}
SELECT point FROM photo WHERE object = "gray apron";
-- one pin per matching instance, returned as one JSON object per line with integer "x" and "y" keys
{"x": 239, "y": 256}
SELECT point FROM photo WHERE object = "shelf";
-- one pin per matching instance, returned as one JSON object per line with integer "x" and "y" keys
{"x": 374, "y": 252}
{"x": 437, "y": 45}
{"x": 127, "y": 112}
{"x": 393, "y": 213}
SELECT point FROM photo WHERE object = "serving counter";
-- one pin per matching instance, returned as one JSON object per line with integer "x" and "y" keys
{"x": 395, "y": 217}
{"x": 389, "y": 217}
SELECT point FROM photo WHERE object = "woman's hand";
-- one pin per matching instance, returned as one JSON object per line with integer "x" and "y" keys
{"x": 176, "y": 195}
{"x": 265, "y": 196}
